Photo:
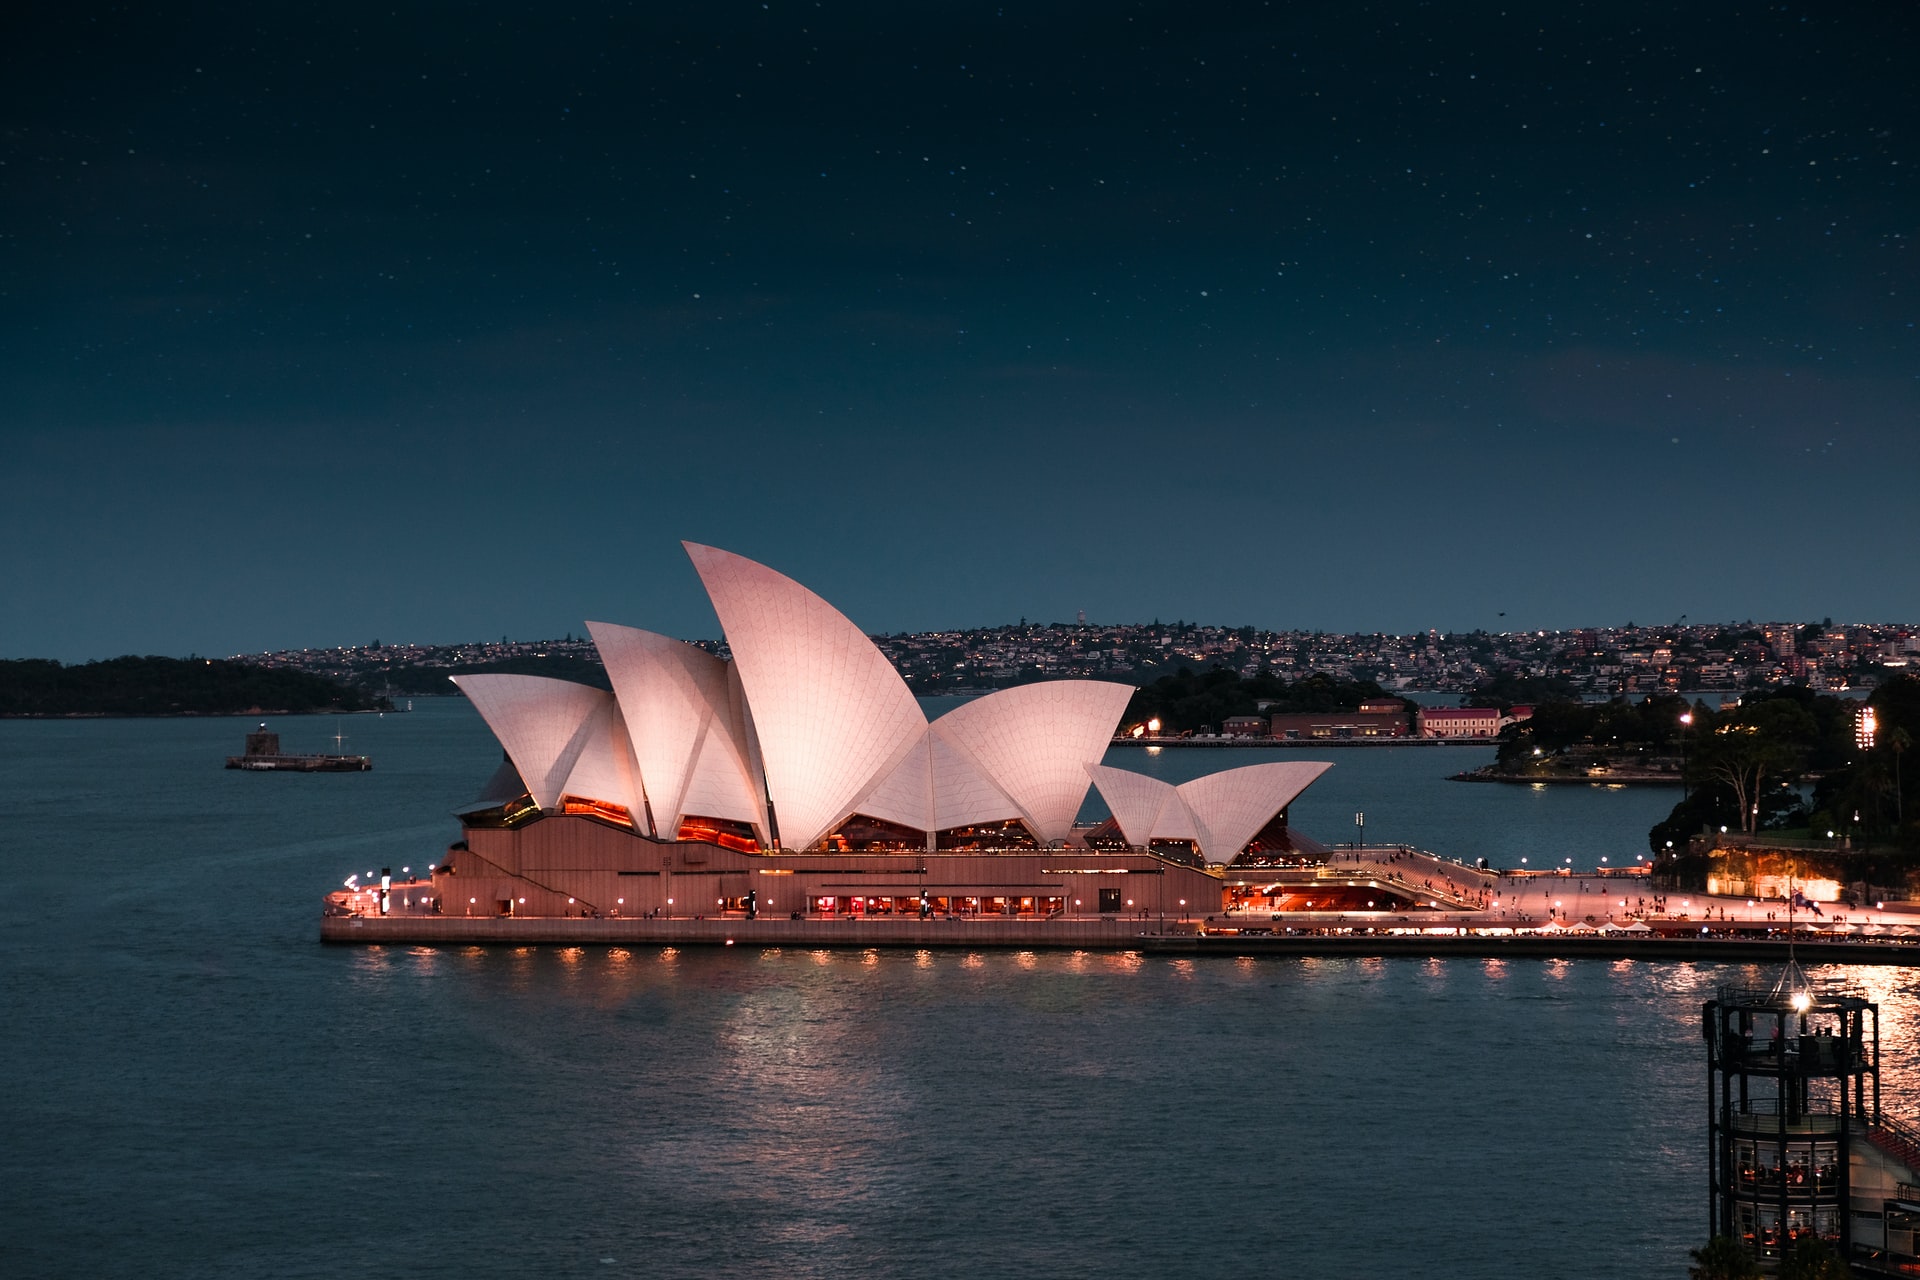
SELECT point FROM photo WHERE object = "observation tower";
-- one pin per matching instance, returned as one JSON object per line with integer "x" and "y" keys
{"x": 1798, "y": 1143}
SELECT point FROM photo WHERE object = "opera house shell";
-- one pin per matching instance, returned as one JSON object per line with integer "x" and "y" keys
{"x": 801, "y": 777}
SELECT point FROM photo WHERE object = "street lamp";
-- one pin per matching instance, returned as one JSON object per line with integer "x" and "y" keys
{"x": 1686, "y": 719}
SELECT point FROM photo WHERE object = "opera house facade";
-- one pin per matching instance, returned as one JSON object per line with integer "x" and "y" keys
{"x": 799, "y": 779}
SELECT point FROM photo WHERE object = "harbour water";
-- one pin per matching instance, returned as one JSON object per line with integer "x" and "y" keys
{"x": 195, "y": 1087}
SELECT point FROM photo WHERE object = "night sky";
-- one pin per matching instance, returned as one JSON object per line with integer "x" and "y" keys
{"x": 326, "y": 324}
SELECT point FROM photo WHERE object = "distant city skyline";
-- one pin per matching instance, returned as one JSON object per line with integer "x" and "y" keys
{"x": 577, "y": 633}
{"x": 578, "y": 636}
{"x": 325, "y": 325}
{"x": 1681, "y": 658}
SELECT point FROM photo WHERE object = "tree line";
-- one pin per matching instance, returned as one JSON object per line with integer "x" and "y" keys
{"x": 155, "y": 686}
{"x": 1788, "y": 761}
{"x": 1184, "y": 701}
{"x": 411, "y": 680}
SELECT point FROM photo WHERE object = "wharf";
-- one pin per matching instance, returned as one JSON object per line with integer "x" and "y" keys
{"x": 263, "y": 755}
{"x": 1095, "y": 935}
{"x": 300, "y": 764}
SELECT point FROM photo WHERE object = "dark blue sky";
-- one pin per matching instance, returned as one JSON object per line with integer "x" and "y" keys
{"x": 325, "y": 326}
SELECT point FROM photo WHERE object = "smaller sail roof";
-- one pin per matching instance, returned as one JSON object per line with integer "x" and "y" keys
{"x": 687, "y": 729}
{"x": 1234, "y": 804}
{"x": 1035, "y": 742}
{"x": 604, "y": 769}
{"x": 504, "y": 786}
{"x": 1135, "y": 800}
{"x": 1219, "y": 812}
{"x": 543, "y": 723}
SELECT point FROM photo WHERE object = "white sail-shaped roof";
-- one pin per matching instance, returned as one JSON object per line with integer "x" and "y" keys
{"x": 828, "y": 709}
{"x": 689, "y": 738}
{"x": 718, "y": 786}
{"x": 905, "y": 794}
{"x": 604, "y": 769}
{"x": 1234, "y": 804}
{"x": 962, "y": 794}
{"x": 543, "y": 723}
{"x": 1135, "y": 800}
{"x": 742, "y": 723}
{"x": 812, "y": 714}
{"x": 937, "y": 786}
{"x": 1034, "y": 742}
{"x": 1220, "y": 812}
{"x": 1177, "y": 821}
{"x": 504, "y": 786}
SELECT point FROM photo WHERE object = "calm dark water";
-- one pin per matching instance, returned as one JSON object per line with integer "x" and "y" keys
{"x": 195, "y": 1087}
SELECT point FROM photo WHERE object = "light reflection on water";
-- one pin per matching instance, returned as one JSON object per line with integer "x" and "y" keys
{"x": 783, "y": 1113}
{"x": 832, "y": 1113}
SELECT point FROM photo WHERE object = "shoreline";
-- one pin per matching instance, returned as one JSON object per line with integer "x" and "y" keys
{"x": 1094, "y": 935}
{"x": 252, "y": 713}
{"x": 1567, "y": 779}
{"x": 1310, "y": 744}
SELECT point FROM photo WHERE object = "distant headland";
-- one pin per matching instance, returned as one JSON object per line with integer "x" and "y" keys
{"x": 153, "y": 686}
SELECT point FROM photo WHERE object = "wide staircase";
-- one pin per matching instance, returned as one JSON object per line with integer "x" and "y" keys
{"x": 1451, "y": 885}
{"x": 1898, "y": 1141}
{"x": 1400, "y": 871}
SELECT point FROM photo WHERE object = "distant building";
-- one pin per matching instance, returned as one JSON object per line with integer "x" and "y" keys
{"x": 1244, "y": 726}
{"x": 1363, "y": 723}
{"x": 1459, "y": 722}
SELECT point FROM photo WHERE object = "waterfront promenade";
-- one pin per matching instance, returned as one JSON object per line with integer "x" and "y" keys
{"x": 1084, "y": 935}
{"x": 1613, "y": 916}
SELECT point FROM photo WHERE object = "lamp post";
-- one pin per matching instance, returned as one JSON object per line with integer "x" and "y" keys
{"x": 1686, "y": 721}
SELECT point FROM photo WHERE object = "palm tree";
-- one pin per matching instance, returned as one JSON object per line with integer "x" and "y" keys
{"x": 1723, "y": 1258}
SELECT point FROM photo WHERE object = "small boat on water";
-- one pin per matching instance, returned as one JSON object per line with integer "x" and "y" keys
{"x": 263, "y": 755}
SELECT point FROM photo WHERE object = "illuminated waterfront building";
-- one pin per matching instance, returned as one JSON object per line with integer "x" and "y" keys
{"x": 801, "y": 776}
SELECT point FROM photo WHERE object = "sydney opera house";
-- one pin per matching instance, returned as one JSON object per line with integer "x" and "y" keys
{"x": 800, "y": 779}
